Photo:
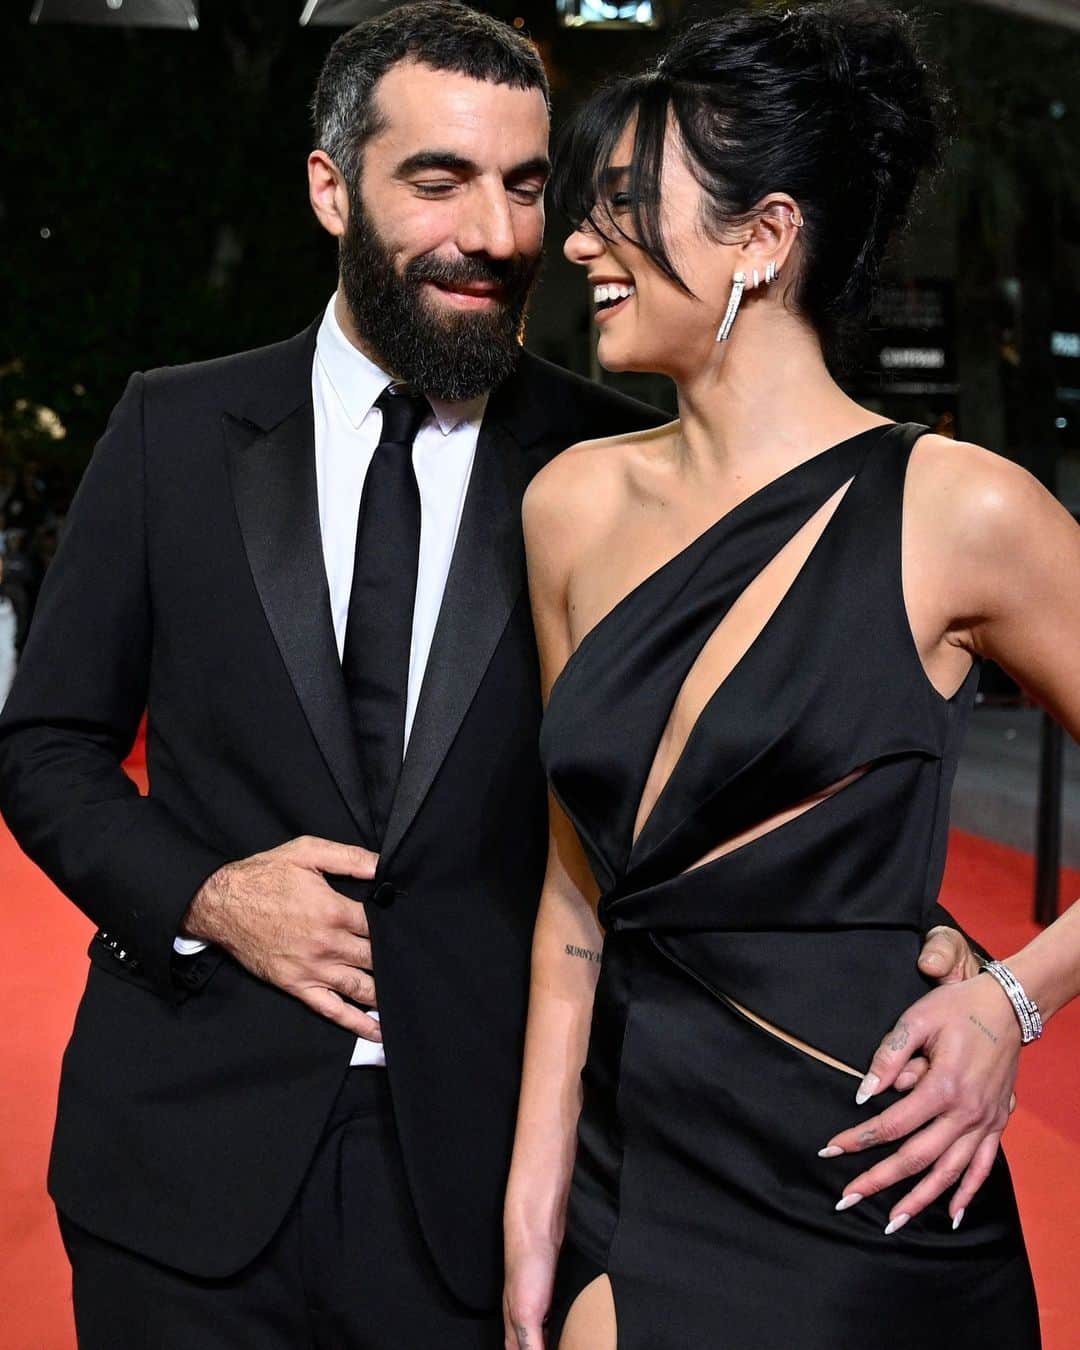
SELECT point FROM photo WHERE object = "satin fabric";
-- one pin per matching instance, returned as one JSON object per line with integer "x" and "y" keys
{"x": 378, "y": 635}
{"x": 696, "y": 1186}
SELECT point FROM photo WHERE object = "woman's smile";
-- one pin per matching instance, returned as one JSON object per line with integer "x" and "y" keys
{"x": 610, "y": 296}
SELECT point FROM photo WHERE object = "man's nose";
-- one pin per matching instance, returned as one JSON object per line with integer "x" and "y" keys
{"x": 489, "y": 227}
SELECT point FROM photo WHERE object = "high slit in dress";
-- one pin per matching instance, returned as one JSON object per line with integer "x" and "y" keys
{"x": 696, "y": 1187}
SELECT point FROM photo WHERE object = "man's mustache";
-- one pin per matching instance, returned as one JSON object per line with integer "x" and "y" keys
{"x": 511, "y": 275}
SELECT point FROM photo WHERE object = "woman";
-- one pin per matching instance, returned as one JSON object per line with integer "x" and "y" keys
{"x": 759, "y": 629}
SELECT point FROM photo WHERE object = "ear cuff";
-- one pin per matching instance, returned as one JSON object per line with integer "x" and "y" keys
{"x": 739, "y": 284}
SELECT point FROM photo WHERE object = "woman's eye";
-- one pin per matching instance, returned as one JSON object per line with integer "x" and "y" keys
{"x": 620, "y": 201}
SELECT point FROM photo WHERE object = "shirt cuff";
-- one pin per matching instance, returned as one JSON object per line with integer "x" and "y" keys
{"x": 189, "y": 946}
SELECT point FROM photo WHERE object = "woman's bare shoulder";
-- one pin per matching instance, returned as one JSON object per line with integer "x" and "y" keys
{"x": 981, "y": 532}
{"x": 577, "y": 493}
{"x": 971, "y": 496}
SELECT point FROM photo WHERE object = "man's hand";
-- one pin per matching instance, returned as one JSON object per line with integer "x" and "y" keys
{"x": 275, "y": 913}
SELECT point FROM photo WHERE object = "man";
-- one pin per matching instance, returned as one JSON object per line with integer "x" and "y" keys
{"x": 316, "y": 586}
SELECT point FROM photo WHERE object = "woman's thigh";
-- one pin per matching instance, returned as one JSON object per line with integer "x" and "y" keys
{"x": 591, "y": 1323}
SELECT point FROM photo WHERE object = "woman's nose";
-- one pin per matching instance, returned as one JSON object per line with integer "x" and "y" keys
{"x": 583, "y": 244}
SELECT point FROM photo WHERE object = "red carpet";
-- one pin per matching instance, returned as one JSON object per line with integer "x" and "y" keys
{"x": 988, "y": 887}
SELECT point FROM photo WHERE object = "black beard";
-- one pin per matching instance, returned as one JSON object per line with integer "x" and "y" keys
{"x": 443, "y": 354}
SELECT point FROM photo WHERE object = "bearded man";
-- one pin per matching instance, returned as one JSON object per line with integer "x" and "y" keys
{"x": 306, "y": 561}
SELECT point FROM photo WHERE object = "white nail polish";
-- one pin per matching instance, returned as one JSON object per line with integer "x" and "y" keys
{"x": 959, "y": 1219}
{"x": 848, "y": 1202}
{"x": 896, "y": 1224}
{"x": 831, "y": 1152}
{"x": 867, "y": 1088}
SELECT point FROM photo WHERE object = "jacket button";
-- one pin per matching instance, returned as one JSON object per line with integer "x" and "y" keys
{"x": 384, "y": 894}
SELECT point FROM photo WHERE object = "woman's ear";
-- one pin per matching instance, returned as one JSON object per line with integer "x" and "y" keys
{"x": 772, "y": 234}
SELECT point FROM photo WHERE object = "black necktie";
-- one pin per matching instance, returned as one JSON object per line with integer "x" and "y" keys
{"x": 378, "y": 633}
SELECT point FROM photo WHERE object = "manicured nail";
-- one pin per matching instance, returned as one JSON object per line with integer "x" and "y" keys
{"x": 958, "y": 1220}
{"x": 848, "y": 1202}
{"x": 896, "y": 1224}
{"x": 831, "y": 1152}
{"x": 867, "y": 1088}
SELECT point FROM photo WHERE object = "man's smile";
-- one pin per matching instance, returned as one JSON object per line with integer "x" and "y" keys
{"x": 472, "y": 295}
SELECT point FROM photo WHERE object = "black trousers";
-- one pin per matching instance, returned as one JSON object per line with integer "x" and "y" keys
{"x": 348, "y": 1269}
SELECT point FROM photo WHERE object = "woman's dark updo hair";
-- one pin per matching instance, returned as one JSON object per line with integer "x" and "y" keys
{"x": 828, "y": 102}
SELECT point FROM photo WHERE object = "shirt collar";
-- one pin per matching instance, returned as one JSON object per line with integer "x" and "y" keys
{"x": 358, "y": 381}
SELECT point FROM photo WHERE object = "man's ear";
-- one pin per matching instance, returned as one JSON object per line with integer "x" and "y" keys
{"x": 327, "y": 193}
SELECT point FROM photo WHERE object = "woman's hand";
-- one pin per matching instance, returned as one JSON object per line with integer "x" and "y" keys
{"x": 530, "y": 1275}
{"x": 959, "y": 1106}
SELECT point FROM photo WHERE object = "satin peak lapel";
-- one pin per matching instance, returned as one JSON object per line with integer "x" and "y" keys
{"x": 486, "y": 577}
{"x": 273, "y": 482}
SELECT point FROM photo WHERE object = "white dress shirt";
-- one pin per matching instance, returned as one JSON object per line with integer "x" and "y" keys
{"x": 344, "y": 386}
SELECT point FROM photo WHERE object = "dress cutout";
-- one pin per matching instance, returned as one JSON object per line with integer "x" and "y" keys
{"x": 696, "y": 1185}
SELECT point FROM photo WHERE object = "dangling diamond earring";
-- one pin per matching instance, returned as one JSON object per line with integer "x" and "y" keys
{"x": 739, "y": 284}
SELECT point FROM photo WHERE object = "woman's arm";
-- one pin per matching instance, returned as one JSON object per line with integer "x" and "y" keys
{"x": 1031, "y": 628}
{"x": 1002, "y": 558}
{"x": 565, "y": 963}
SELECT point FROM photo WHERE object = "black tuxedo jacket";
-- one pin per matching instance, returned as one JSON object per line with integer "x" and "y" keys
{"x": 190, "y": 581}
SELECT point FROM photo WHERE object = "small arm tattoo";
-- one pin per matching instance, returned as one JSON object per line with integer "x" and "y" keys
{"x": 583, "y": 952}
{"x": 983, "y": 1027}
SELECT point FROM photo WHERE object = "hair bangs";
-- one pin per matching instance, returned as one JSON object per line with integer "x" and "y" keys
{"x": 586, "y": 181}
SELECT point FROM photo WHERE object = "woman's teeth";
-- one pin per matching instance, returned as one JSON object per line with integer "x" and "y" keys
{"x": 611, "y": 294}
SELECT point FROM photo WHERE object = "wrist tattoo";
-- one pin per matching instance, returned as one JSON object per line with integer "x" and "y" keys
{"x": 583, "y": 952}
{"x": 983, "y": 1027}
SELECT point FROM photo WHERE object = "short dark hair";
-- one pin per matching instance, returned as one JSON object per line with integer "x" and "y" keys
{"x": 830, "y": 103}
{"x": 436, "y": 33}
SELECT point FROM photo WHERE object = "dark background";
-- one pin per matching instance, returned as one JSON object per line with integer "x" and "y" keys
{"x": 153, "y": 210}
